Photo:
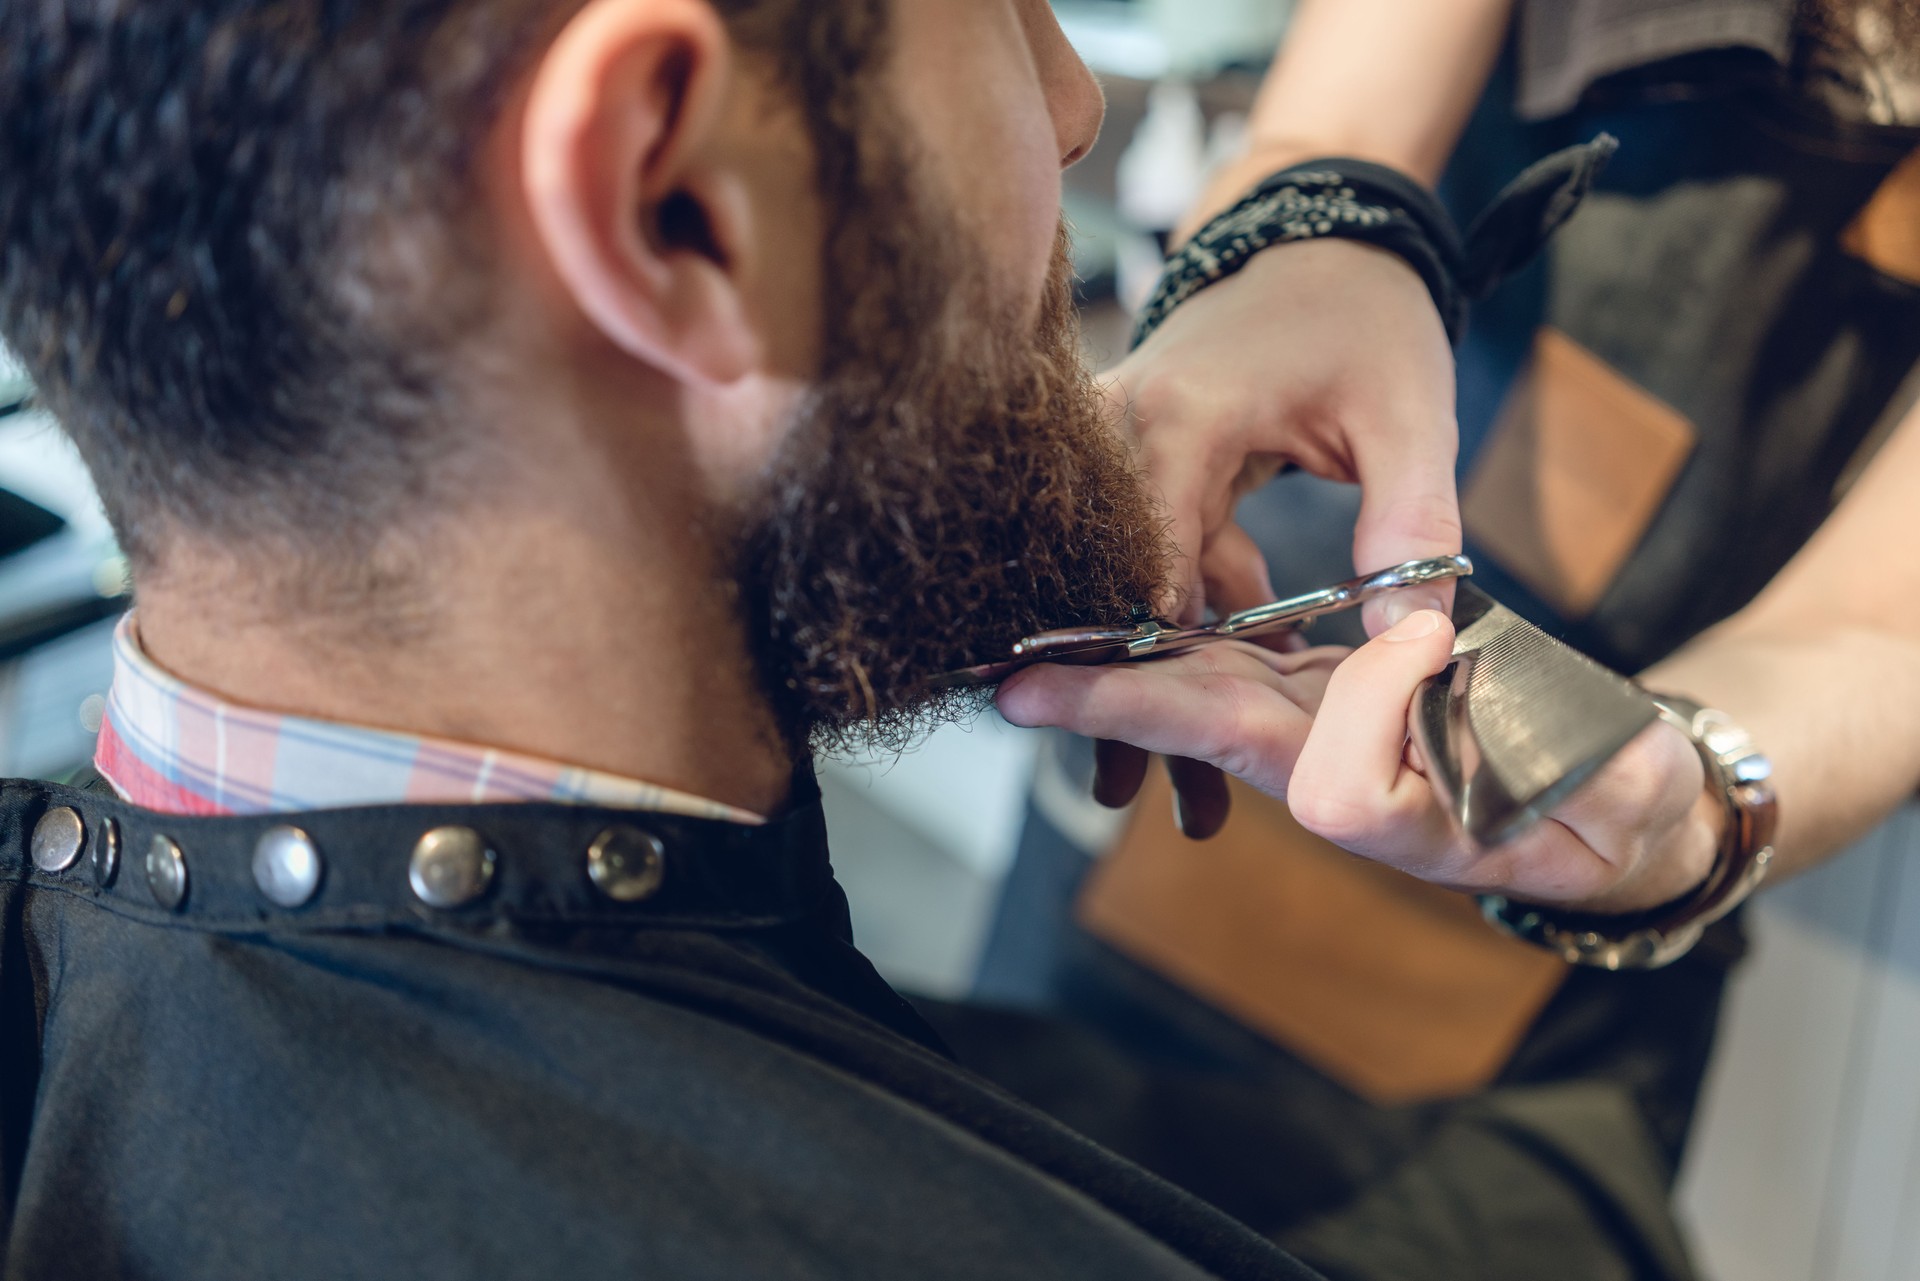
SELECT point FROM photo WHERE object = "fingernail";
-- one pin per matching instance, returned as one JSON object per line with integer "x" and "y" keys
{"x": 1403, "y": 605}
{"x": 1413, "y": 627}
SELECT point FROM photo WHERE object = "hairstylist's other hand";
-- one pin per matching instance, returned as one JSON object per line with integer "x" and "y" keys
{"x": 1327, "y": 354}
{"x": 1331, "y": 738}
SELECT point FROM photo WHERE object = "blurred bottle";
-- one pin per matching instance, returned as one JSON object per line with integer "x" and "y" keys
{"x": 1162, "y": 173}
{"x": 1165, "y": 165}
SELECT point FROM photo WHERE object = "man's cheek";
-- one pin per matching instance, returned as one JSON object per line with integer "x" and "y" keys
{"x": 1003, "y": 178}
{"x": 967, "y": 85}
{"x": 1029, "y": 217}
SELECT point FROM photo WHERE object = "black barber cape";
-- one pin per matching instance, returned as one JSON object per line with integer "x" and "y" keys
{"x": 710, "y": 1082}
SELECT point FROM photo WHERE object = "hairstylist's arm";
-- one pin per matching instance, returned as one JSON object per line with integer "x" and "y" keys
{"x": 1823, "y": 669}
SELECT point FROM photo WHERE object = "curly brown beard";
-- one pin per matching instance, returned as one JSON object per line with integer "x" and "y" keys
{"x": 954, "y": 483}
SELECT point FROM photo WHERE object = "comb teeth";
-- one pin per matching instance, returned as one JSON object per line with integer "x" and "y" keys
{"x": 1520, "y": 720}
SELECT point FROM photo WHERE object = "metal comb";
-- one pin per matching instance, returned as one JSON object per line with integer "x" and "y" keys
{"x": 1518, "y": 721}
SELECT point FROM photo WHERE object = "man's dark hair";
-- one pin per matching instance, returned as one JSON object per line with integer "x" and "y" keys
{"x": 231, "y": 235}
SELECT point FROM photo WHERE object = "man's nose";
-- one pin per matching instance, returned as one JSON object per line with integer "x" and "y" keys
{"x": 1074, "y": 97}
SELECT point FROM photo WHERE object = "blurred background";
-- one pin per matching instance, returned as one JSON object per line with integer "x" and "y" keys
{"x": 1806, "y": 1165}
{"x": 62, "y": 584}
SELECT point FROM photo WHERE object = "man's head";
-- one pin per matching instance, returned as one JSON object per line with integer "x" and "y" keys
{"x": 770, "y": 289}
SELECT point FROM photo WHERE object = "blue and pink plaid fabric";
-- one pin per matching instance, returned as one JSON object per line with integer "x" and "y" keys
{"x": 168, "y": 746}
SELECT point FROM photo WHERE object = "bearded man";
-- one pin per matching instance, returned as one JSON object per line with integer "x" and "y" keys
{"x": 533, "y": 428}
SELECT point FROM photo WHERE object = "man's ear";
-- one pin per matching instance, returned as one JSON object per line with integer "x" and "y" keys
{"x": 645, "y": 233}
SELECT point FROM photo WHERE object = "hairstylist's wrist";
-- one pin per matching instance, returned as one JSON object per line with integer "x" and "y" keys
{"x": 1234, "y": 180}
{"x": 1352, "y": 198}
{"x": 1329, "y": 198}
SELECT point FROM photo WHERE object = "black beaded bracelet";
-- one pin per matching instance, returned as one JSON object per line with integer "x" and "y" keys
{"x": 1359, "y": 200}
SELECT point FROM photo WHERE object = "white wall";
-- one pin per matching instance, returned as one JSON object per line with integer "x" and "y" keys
{"x": 1806, "y": 1165}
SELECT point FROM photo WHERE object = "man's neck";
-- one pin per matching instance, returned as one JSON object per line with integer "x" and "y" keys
{"x": 594, "y": 645}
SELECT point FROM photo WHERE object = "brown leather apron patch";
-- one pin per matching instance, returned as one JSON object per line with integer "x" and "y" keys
{"x": 1886, "y": 235}
{"x": 1578, "y": 464}
{"x": 1392, "y": 987}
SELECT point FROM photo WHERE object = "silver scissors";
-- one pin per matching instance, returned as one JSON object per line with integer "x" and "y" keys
{"x": 1149, "y": 637}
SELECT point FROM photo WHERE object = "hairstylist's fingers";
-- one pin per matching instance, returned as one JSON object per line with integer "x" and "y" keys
{"x": 1641, "y": 832}
{"x": 1234, "y": 571}
{"x": 1166, "y": 421}
{"x": 1350, "y": 784}
{"x": 1650, "y": 822}
{"x": 1119, "y": 769}
{"x": 1177, "y": 475}
{"x": 1227, "y": 705}
{"x": 1409, "y": 510}
{"x": 1550, "y": 863}
{"x": 1201, "y": 801}
{"x": 1645, "y": 787}
{"x": 1306, "y": 669}
{"x": 1178, "y": 484}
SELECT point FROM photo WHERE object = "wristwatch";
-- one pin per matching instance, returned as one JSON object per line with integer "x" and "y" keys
{"x": 1742, "y": 778}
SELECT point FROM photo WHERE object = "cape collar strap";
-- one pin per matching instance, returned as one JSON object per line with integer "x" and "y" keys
{"x": 457, "y": 866}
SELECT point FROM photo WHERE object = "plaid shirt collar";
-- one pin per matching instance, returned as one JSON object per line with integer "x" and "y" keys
{"x": 168, "y": 746}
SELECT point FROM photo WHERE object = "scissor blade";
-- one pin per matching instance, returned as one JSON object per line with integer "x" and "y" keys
{"x": 1097, "y": 646}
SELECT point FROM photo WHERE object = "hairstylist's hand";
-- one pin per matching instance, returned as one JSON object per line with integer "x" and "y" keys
{"x": 1331, "y": 738}
{"x": 1325, "y": 354}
